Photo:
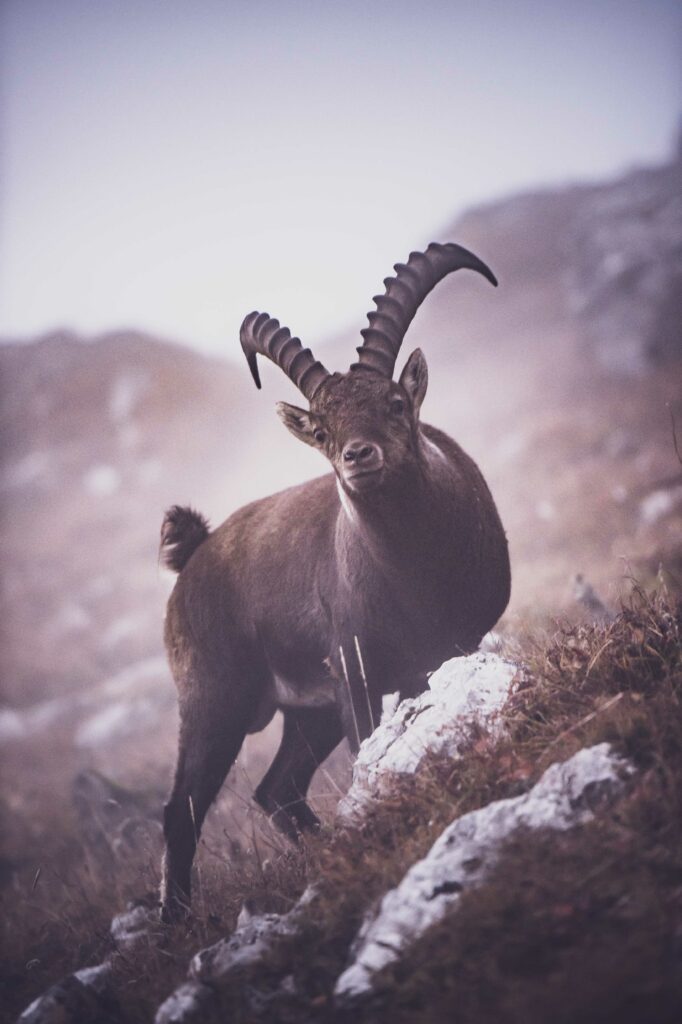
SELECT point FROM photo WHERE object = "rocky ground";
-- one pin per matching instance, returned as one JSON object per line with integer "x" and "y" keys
{"x": 509, "y": 849}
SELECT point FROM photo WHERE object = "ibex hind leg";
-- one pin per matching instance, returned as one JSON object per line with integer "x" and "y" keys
{"x": 211, "y": 735}
{"x": 309, "y": 736}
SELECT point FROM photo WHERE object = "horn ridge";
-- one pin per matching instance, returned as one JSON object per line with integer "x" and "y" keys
{"x": 404, "y": 294}
{"x": 313, "y": 375}
{"x": 302, "y": 354}
{"x": 395, "y": 284}
{"x": 278, "y": 341}
{"x": 287, "y": 354}
{"x": 379, "y": 317}
{"x": 261, "y": 334}
{"x": 377, "y": 350}
{"x": 374, "y": 359}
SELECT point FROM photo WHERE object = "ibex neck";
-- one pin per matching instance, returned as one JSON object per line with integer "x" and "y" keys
{"x": 403, "y": 517}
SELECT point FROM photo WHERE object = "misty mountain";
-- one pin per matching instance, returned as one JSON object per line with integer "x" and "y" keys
{"x": 556, "y": 383}
{"x": 614, "y": 251}
{"x": 98, "y": 438}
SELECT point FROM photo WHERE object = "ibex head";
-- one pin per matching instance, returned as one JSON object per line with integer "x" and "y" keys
{"x": 364, "y": 422}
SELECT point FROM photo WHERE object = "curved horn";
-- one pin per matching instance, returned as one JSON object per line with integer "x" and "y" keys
{"x": 404, "y": 294}
{"x": 262, "y": 335}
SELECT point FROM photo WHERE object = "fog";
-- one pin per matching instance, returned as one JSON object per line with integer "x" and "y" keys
{"x": 171, "y": 166}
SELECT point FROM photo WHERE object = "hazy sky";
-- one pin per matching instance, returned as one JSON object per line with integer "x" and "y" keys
{"x": 173, "y": 164}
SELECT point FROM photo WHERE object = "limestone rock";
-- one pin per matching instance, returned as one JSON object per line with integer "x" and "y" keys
{"x": 465, "y": 854}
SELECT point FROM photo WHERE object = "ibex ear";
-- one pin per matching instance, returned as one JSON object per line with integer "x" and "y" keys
{"x": 415, "y": 378}
{"x": 296, "y": 420}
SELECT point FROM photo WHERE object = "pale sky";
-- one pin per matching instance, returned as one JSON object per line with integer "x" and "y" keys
{"x": 171, "y": 165}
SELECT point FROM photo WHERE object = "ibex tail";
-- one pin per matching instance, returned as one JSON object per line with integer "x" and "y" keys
{"x": 182, "y": 531}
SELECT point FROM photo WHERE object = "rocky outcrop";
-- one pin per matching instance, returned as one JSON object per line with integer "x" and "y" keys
{"x": 244, "y": 958}
{"x": 465, "y": 855}
{"x": 258, "y": 959}
{"x": 89, "y": 996}
{"x": 463, "y": 694}
{"x": 255, "y": 965}
{"x": 82, "y": 998}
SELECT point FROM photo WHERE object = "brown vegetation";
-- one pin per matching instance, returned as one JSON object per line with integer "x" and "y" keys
{"x": 579, "y": 926}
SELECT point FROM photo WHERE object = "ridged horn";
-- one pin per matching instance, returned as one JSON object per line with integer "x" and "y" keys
{"x": 404, "y": 295}
{"x": 262, "y": 335}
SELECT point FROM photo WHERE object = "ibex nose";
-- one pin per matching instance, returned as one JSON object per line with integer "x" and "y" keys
{"x": 362, "y": 454}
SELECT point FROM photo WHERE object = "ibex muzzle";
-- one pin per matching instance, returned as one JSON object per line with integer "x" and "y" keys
{"x": 322, "y": 598}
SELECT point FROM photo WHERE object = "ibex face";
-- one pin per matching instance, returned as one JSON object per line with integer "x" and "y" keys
{"x": 365, "y": 424}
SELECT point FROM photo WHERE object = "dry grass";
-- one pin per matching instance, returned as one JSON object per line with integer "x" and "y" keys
{"x": 583, "y": 926}
{"x": 603, "y": 904}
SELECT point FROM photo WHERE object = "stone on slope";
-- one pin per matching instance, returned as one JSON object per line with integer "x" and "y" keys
{"x": 466, "y": 853}
{"x": 465, "y": 693}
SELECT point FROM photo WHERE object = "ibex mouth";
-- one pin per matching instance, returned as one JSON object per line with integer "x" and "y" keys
{"x": 363, "y": 479}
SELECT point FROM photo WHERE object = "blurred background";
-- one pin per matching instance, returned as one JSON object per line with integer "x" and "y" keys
{"x": 166, "y": 168}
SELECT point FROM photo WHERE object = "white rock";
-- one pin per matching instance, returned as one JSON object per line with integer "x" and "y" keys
{"x": 190, "y": 1002}
{"x": 73, "y": 1000}
{"x": 97, "y": 977}
{"x": 463, "y": 692}
{"x": 133, "y": 926}
{"x": 466, "y": 852}
{"x": 491, "y": 643}
{"x": 245, "y": 948}
{"x": 389, "y": 706}
{"x": 250, "y": 943}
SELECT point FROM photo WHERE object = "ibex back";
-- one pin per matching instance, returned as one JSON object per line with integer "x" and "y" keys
{"x": 319, "y": 600}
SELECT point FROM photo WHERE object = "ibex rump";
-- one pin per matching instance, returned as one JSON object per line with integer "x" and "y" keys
{"x": 322, "y": 598}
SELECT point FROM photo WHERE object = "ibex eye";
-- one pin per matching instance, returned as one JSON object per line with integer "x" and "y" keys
{"x": 320, "y": 436}
{"x": 397, "y": 406}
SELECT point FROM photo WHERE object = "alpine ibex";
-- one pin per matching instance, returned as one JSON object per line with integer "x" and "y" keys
{"x": 322, "y": 598}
